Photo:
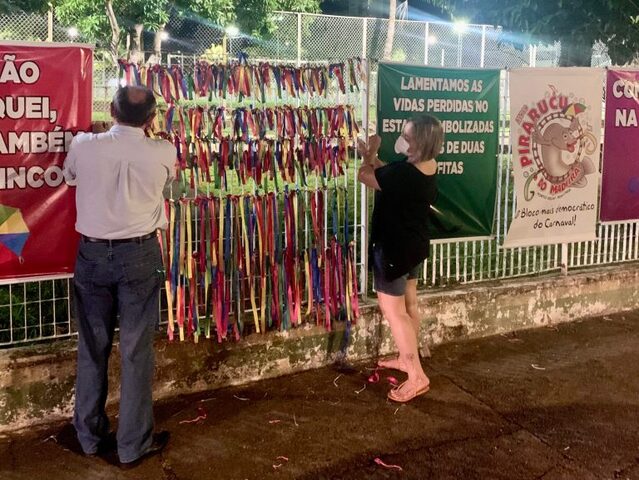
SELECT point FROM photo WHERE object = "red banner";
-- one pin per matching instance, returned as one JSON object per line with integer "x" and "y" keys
{"x": 45, "y": 99}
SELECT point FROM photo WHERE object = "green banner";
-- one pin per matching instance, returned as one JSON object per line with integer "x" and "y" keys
{"x": 467, "y": 104}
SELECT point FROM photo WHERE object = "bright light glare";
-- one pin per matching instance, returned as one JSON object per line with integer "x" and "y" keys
{"x": 73, "y": 32}
{"x": 232, "y": 30}
{"x": 460, "y": 26}
{"x": 164, "y": 36}
{"x": 432, "y": 40}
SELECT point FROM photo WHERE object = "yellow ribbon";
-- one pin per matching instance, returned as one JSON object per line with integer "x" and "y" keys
{"x": 213, "y": 244}
{"x": 262, "y": 264}
{"x": 298, "y": 309}
{"x": 172, "y": 86}
{"x": 189, "y": 242}
{"x": 167, "y": 281}
{"x": 307, "y": 269}
{"x": 247, "y": 256}
{"x": 349, "y": 285}
{"x": 220, "y": 238}
{"x": 207, "y": 271}
{"x": 181, "y": 265}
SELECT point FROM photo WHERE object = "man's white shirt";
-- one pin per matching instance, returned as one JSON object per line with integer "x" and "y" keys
{"x": 120, "y": 176}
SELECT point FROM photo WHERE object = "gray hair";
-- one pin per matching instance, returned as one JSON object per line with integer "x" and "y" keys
{"x": 133, "y": 105}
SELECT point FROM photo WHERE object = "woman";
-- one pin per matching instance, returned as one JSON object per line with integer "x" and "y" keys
{"x": 399, "y": 237}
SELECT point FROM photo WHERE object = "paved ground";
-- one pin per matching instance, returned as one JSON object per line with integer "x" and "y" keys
{"x": 553, "y": 403}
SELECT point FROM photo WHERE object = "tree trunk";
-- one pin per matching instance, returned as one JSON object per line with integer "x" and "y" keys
{"x": 574, "y": 54}
{"x": 137, "y": 46}
{"x": 115, "y": 31}
{"x": 157, "y": 45}
{"x": 390, "y": 34}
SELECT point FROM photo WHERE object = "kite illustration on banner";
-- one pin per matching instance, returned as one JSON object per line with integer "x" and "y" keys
{"x": 573, "y": 109}
{"x": 13, "y": 230}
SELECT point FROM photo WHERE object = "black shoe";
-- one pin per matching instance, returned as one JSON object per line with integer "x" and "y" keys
{"x": 105, "y": 446}
{"x": 67, "y": 438}
{"x": 160, "y": 440}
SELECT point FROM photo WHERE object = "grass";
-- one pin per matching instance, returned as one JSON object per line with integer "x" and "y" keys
{"x": 34, "y": 310}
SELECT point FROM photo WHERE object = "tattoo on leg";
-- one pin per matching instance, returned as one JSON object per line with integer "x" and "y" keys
{"x": 410, "y": 357}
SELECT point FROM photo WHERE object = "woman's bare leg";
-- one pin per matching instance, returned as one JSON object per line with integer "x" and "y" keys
{"x": 394, "y": 310}
{"x": 411, "y": 308}
{"x": 410, "y": 301}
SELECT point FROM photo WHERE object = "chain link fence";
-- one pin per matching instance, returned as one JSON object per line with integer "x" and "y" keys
{"x": 40, "y": 310}
{"x": 299, "y": 38}
{"x": 311, "y": 37}
{"x": 24, "y": 26}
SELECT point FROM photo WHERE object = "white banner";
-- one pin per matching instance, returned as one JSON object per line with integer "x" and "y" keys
{"x": 555, "y": 132}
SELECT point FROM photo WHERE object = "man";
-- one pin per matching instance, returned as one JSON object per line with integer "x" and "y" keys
{"x": 120, "y": 176}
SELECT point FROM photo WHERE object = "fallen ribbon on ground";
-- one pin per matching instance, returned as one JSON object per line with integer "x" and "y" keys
{"x": 201, "y": 416}
{"x": 278, "y": 465}
{"x": 380, "y": 462}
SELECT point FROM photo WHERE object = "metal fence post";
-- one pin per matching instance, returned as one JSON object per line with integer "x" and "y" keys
{"x": 50, "y": 24}
{"x": 482, "y": 58}
{"x": 531, "y": 56}
{"x": 363, "y": 274}
{"x": 564, "y": 258}
{"x": 364, "y": 37}
{"x": 106, "y": 85}
{"x": 299, "y": 39}
{"x": 426, "y": 42}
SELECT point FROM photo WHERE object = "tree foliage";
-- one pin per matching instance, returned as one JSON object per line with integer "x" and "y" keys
{"x": 253, "y": 17}
{"x": 29, "y": 6}
{"x": 578, "y": 24}
{"x": 89, "y": 17}
{"x": 220, "y": 12}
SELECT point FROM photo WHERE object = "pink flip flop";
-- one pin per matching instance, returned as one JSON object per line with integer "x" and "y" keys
{"x": 416, "y": 393}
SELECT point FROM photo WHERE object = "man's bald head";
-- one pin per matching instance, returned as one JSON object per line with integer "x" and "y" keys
{"x": 132, "y": 105}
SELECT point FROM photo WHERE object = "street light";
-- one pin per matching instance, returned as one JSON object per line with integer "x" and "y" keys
{"x": 72, "y": 32}
{"x": 460, "y": 26}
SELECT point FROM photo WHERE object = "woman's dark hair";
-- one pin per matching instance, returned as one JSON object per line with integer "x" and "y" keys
{"x": 133, "y": 105}
{"x": 429, "y": 135}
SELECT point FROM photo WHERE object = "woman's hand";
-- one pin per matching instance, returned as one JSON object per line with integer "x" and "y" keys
{"x": 374, "y": 142}
{"x": 362, "y": 148}
{"x": 368, "y": 150}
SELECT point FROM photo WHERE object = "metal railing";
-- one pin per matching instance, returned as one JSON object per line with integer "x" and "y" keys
{"x": 37, "y": 310}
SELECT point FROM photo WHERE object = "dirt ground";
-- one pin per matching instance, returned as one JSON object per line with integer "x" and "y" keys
{"x": 551, "y": 403}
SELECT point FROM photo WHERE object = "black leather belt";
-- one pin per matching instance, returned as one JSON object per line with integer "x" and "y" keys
{"x": 119, "y": 240}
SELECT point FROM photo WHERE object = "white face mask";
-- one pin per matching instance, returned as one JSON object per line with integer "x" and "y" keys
{"x": 401, "y": 146}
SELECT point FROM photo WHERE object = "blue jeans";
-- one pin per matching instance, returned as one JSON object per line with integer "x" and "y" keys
{"x": 396, "y": 287}
{"x": 122, "y": 280}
